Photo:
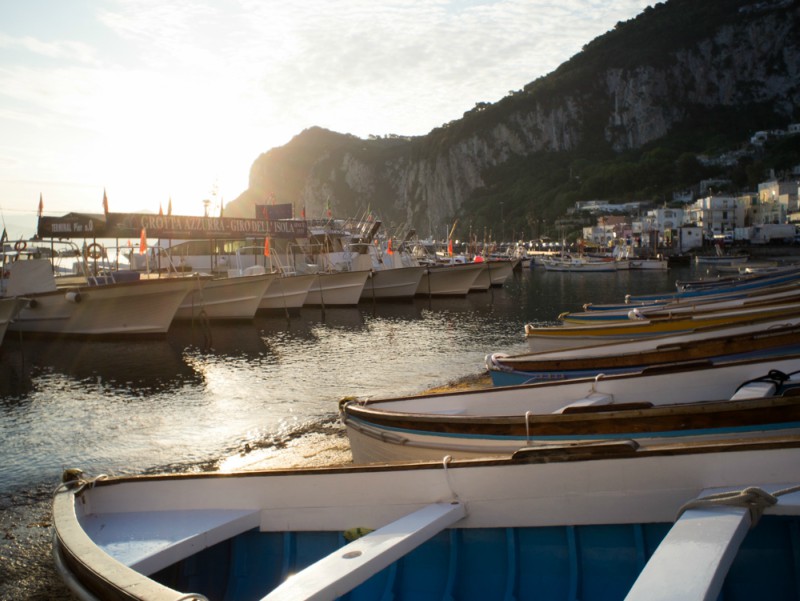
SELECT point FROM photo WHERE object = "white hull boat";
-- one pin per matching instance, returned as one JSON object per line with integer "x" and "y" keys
{"x": 287, "y": 292}
{"x": 607, "y": 520}
{"x": 449, "y": 280}
{"x": 395, "y": 283}
{"x": 415, "y": 428}
{"x": 496, "y": 273}
{"x": 9, "y": 309}
{"x": 578, "y": 264}
{"x": 229, "y": 298}
{"x": 656, "y": 264}
{"x": 337, "y": 288}
{"x": 144, "y": 307}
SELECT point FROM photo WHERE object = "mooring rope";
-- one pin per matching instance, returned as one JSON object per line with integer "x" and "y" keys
{"x": 753, "y": 498}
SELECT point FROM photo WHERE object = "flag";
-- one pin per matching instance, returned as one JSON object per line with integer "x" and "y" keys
{"x": 160, "y": 210}
{"x": 143, "y": 242}
{"x": 266, "y": 247}
{"x": 328, "y": 207}
{"x": 389, "y": 250}
{"x": 4, "y": 237}
{"x": 221, "y": 205}
{"x": 105, "y": 202}
{"x": 41, "y": 204}
{"x": 450, "y": 248}
{"x": 303, "y": 212}
{"x": 169, "y": 206}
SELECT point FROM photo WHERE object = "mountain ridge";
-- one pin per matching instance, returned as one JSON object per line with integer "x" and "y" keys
{"x": 579, "y": 132}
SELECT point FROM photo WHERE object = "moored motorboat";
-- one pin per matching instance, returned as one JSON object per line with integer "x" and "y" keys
{"x": 596, "y": 518}
{"x": 9, "y": 309}
{"x": 449, "y": 280}
{"x": 229, "y": 298}
{"x": 107, "y": 308}
{"x": 336, "y": 288}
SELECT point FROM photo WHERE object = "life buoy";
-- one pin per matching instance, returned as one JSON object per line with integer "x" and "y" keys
{"x": 20, "y": 245}
{"x": 94, "y": 251}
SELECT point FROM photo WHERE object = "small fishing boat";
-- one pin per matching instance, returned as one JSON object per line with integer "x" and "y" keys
{"x": 416, "y": 428}
{"x": 764, "y": 340}
{"x": 605, "y": 519}
{"x": 759, "y": 298}
{"x": 579, "y": 263}
{"x": 549, "y": 337}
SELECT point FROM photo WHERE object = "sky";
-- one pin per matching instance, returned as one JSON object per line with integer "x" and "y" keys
{"x": 152, "y": 101}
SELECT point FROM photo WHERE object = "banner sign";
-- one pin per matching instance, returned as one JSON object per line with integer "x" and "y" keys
{"x": 273, "y": 212}
{"x": 72, "y": 225}
{"x": 130, "y": 225}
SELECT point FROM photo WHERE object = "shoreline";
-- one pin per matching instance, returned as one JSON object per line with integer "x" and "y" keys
{"x": 27, "y": 570}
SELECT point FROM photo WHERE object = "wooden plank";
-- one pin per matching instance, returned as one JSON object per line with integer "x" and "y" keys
{"x": 346, "y": 568}
{"x": 148, "y": 542}
{"x": 692, "y": 561}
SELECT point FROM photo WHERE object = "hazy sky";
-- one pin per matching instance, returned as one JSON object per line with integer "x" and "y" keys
{"x": 159, "y": 99}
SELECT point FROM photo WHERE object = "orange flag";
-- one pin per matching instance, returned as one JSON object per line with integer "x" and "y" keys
{"x": 105, "y": 202}
{"x": 389, "y": 250}
{"x": 143, "y": 242}
{"x": 266, "y": 247}
{"x": 450, "y": 248}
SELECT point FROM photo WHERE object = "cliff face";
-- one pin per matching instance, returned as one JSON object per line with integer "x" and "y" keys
{"x": 594, "y": 99}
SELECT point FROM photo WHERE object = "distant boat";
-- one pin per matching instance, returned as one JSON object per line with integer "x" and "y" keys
{"x": 608, "y": 520}
{"x": 578, "y": 263}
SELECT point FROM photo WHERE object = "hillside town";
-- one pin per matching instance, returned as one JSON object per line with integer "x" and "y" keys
{"x": 705, "y": 216}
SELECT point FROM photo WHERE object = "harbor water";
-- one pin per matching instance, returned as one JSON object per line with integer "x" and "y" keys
{"x": 215, "y": 396}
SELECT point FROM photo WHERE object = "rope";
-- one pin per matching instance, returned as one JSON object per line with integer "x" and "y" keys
{"x": 753, "y": 498}
{"x": 775, "y": 376}
{"x": 445, "y": 463}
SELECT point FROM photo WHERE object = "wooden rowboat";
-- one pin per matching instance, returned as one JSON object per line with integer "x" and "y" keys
{"x": 609, "y": 520}
{"x": 413, "y": 429}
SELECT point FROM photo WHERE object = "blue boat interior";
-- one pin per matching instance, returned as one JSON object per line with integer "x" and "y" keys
{"x": 572, "y": 563}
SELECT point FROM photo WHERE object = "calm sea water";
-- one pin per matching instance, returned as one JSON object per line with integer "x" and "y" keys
{"x": 184, "y": 402}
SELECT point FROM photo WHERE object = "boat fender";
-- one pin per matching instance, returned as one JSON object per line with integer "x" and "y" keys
{"x": 635, "y": 314}
{"x": 73, "y": 297}
{"x": 352, "y": 534}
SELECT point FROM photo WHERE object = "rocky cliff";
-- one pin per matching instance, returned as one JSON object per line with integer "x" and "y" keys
{"x": 626, "y": 89}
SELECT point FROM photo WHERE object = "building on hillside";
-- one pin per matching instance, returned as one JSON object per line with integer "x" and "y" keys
{"x": 778, "y": 199}
{"x": 716, "y": 215}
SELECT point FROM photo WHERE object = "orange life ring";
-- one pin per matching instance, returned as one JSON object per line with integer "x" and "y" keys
{"x": 94, "y": 251}
{"x": 20, "y": 245}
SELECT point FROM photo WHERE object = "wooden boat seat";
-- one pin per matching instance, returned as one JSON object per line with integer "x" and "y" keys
{"x": 693, "y": 559}
{"x": 346, "y": 568}
{"x": 165, "y": 537}
{"x": 595, "y": 398}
